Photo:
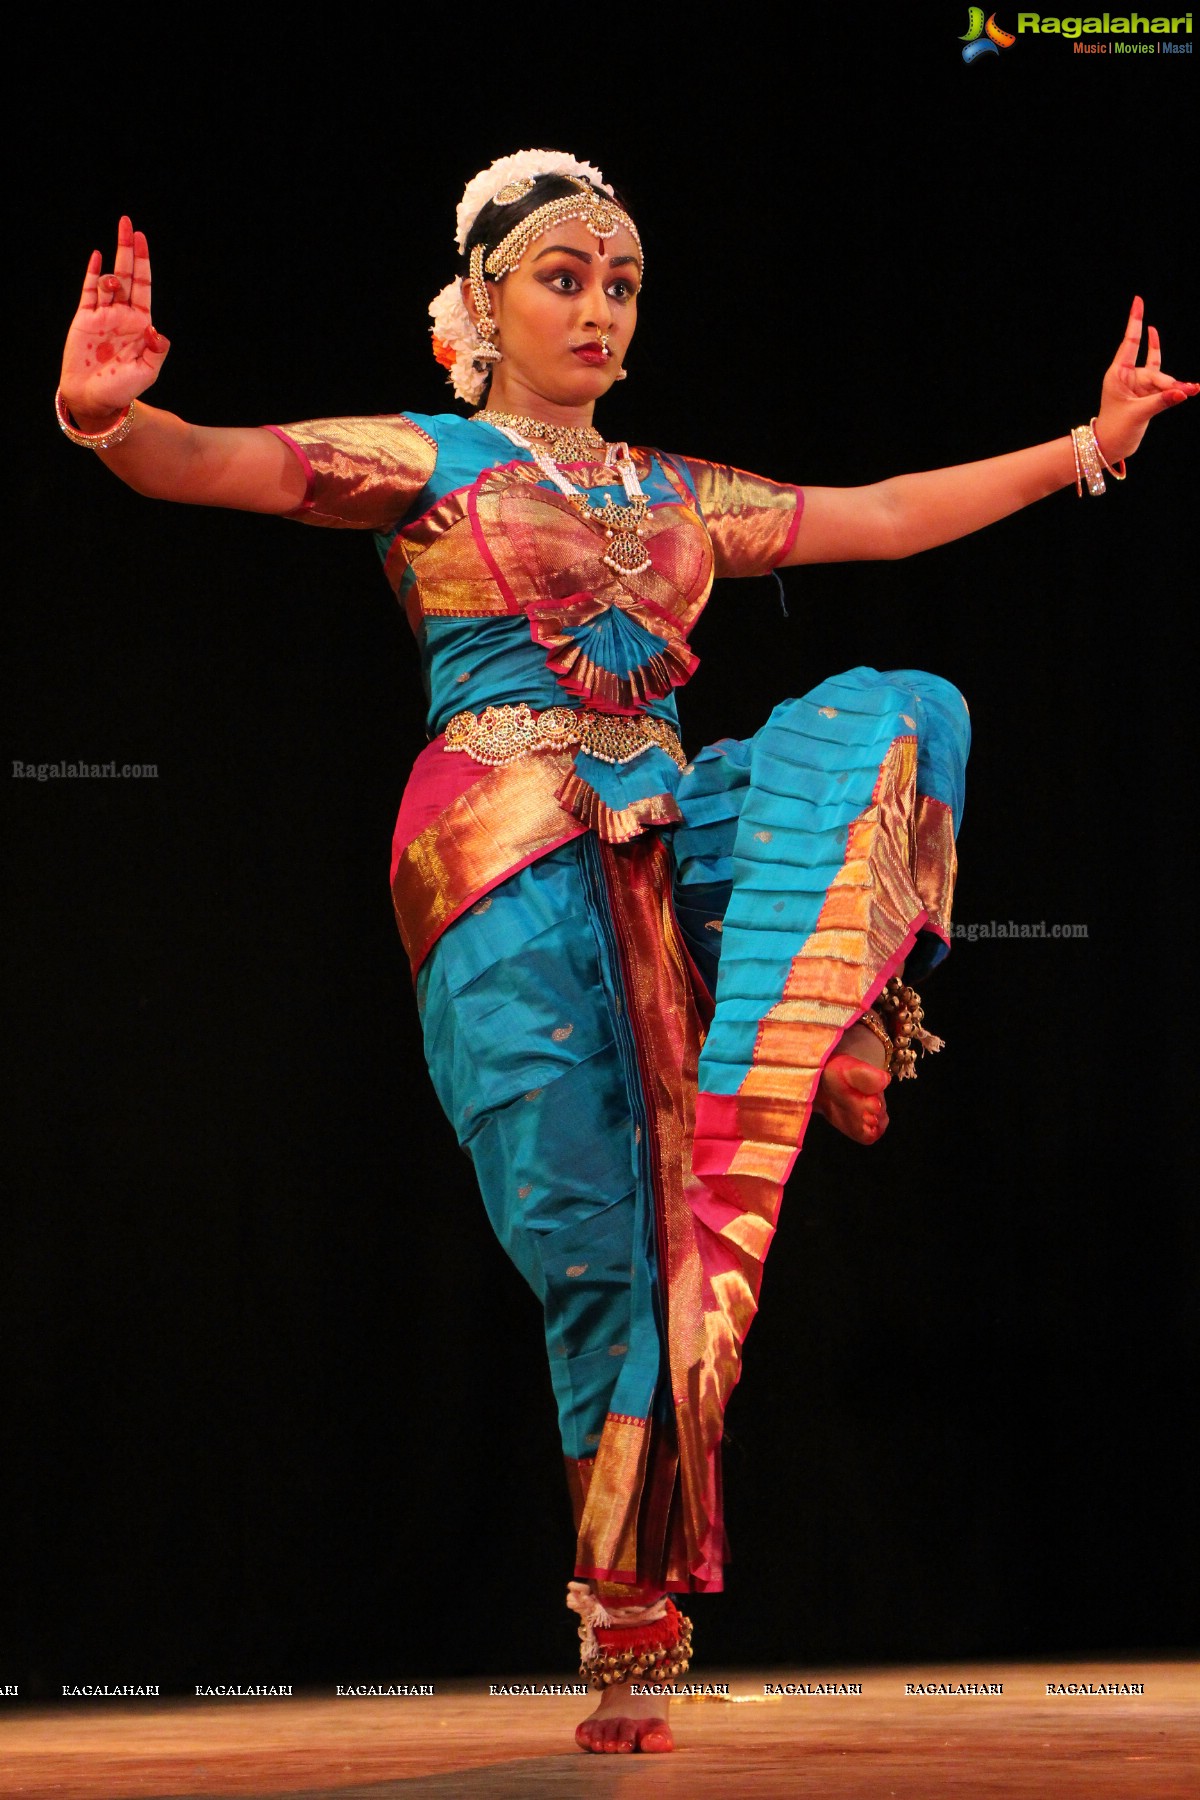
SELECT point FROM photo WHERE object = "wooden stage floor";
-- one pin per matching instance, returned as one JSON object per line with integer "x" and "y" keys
{"x": 884, "y": 1743}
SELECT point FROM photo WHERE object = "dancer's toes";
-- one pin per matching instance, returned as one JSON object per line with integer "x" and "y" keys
{"x": 654, "y": 1735}
{"x": 619, "y": 1735}
{"x": 850, "y": 1096}
{"x": 606, "y": 1736}
{"x": 615, "y": 1733}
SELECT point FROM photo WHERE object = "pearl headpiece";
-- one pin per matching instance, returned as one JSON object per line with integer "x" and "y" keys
{"x": 457, "y": 344}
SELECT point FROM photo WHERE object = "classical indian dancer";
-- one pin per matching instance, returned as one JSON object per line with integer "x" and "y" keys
{"x": 639, "y": 972}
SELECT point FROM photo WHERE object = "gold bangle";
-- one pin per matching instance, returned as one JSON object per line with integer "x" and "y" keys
{"x": 873, "y": 1022}
{"x": 1117, "y": 474}
{"x": 1088, "y": 460}
{"x": 94, "y": 440}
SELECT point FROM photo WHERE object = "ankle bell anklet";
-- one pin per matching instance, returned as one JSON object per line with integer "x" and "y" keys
{"x": 656, "y": 1647}
{"x": 654, "y": 1653}
{"x": 901, "y": 1012}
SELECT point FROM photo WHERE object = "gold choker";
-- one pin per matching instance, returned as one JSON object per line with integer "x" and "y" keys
{"x": 569, "y": 443}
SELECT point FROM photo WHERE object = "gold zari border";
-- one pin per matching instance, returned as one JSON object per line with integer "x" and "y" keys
{"x": 636, "y": 1515}
{"x": 888, "y": 878}
{"x": 505, "y": 819}
{"x": 937, "y": 859}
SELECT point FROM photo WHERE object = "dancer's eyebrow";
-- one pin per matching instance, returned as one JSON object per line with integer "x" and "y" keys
{"x": 584, "y": 256}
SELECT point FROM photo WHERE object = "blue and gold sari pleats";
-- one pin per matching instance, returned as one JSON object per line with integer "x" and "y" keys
{"x": 631, "y": 1163}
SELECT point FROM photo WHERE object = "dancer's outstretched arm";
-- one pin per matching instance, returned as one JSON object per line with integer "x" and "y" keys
{"x": 908, "y": 513}
{"x": 113, "y": 354}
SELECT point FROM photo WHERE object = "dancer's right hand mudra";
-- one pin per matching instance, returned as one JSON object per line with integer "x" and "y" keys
{"x": 113, "y": 353}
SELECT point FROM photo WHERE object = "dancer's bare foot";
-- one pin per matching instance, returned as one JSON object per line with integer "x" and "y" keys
{"x": 850, "y": 1093}
{"x": 627, "y": 1721}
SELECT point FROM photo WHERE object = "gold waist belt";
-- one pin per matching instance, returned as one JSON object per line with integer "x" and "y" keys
{"x": 499, "y": 734}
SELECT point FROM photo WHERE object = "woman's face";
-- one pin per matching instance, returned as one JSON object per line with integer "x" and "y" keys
{"x": 551, "y": 310}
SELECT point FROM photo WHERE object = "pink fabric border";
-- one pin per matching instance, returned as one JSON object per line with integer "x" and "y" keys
{"x": 791, "y": 536}
{"x": 298, "y": 450}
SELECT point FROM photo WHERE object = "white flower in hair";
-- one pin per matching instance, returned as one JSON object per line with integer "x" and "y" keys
{"x": 523, "y": 165}
{"x": 453, "y": 330}
{"x": 451, "y": 320}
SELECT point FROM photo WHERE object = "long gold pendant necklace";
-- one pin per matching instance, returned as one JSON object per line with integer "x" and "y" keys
{"x": 621, "y": 525}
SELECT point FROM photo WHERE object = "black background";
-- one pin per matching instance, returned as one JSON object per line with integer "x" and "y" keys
{"x": 277, "y": 1405}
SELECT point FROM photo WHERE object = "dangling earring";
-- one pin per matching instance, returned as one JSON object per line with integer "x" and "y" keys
{"x": 485, "y": 324}
{"x": 622, "y": 375}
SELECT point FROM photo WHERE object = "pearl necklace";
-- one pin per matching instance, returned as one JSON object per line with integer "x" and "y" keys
{"x": 621, "y": 525}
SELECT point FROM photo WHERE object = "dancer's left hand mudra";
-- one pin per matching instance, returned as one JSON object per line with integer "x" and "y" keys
{"x": 1132, "y": 393}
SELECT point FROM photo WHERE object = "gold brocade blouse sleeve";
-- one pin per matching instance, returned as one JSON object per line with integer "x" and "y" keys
{"x": 362, "y": 473}
{"x": 751, "y": 521}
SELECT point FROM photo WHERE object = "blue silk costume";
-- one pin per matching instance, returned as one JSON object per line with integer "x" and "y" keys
{"x": 631, "y": 973}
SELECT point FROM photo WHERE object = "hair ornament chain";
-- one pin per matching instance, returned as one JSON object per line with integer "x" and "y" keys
{"x": 602, "y": 217}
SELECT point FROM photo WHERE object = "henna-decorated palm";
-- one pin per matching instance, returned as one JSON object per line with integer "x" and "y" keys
{"x": 1133, "y": 393}
{"x": 113, "y": 352}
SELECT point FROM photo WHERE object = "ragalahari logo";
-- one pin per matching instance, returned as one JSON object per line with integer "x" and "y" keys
{"x": 982, "y": 39}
